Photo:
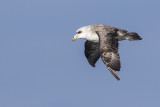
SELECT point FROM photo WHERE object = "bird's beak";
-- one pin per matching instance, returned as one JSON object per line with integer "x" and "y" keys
{"x": 74, "y": 38}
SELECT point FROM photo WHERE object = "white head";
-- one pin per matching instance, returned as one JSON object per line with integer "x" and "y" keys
{"x": 86, "y": 33}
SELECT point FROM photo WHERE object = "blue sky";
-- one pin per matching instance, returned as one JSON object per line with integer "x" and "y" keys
{"x": 41, "y": 67}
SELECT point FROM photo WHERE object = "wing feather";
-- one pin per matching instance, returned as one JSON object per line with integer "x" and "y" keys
{"x": 109, "y": 50}
{"x": 92, "y": 52}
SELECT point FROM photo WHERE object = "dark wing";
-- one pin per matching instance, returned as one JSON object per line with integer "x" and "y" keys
{"x": 109, "y": 50}
{"x": 92, "y": 52}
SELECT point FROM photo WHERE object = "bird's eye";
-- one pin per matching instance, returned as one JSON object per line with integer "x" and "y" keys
{"x": 79, "y": 32}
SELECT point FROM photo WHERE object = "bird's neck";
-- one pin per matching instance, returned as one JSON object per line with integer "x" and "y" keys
{"x": 92, "y": 37}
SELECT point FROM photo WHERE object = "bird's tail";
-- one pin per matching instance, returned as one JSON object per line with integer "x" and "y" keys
{"x": 133, "y": 36}
{"x": 114, "y": 73}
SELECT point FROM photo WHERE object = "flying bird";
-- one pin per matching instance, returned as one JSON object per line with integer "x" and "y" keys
{"x": 102, "y": 41}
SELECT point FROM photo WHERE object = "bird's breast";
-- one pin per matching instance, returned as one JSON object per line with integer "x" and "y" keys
{"x": 93, "y": 38}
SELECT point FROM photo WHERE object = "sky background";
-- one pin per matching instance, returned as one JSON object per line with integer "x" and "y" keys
{"x": 41, "y": 67}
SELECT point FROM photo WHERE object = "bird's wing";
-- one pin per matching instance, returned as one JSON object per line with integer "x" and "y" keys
{"x": 92, "y": 52}
{"x": 109, "y": 50}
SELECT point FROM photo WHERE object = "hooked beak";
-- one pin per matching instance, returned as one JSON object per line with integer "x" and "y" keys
{"x": 74, "y": 38}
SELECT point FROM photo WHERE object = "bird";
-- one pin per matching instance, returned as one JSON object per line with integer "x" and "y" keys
{"x": 102, "y": 41}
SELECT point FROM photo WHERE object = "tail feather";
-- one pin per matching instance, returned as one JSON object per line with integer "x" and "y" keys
{"x": 114, "y": 73}
{"x": 133, "y": 36}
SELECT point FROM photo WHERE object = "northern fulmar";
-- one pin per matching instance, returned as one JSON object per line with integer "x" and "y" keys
{"x": 102, "y": 41}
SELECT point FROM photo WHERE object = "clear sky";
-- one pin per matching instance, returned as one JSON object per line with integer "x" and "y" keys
{"x": 41, "y": 67}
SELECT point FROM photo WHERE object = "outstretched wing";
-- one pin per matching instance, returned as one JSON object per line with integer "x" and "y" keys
{"x": 92, "y": 52}
{"x": 109, "y": 50}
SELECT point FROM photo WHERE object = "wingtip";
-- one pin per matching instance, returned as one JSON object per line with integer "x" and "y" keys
{"x": 118, "y": 79}
{"x": 93, "y": 66}
{"x": 114, "y": 73}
